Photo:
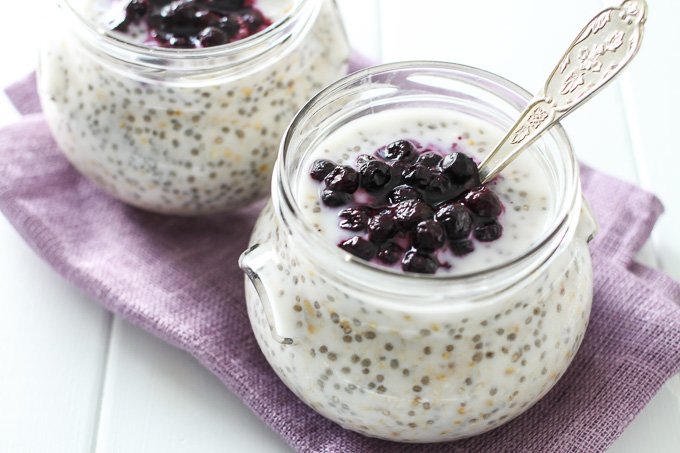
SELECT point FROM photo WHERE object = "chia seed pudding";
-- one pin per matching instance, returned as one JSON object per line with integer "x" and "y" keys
{"x": 408, "y": 356}
{"x": 183, "y": 131}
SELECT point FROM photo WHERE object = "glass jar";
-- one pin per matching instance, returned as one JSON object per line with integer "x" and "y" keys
{"x": 184, "y": 131}
{"x": 411, "y": 357}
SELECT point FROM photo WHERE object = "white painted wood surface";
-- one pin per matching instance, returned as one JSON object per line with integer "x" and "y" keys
{"x": 74, "y": 378}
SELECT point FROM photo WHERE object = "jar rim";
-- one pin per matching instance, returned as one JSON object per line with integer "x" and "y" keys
{"x": 289, "y": 210}
{"x": 106, "y": 38}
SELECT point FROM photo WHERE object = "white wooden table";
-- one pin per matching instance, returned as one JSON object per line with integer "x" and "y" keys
{"x": 74, "y": 378}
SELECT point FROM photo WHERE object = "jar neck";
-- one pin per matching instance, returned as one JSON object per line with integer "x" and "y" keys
{"x": 203, "y": 64}
{"x": 342, "y": 102}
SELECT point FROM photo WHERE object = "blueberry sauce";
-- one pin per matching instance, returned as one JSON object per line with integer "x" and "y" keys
{"x": 192, "y": 23}
{"x": 406, "y": 203}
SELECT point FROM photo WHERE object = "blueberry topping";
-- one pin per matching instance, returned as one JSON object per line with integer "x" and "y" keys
{"x": 381, "y": 227}
{"x": 462, "y": 247}
{"x": 456, "y": 220}
{"x": 429, "y": 159}
{"x": 410, "y": 205}
{"x": 419, "y": 262}
{"x": 121, "y": 23}
{"x": 374, "y": 175}
{"x": 360, "y": 247}
{"x": 133, "y": 12}
{"x": 342, "y": 179}
{"x": 461, "y": 169}
{"x": 353, "y": 219}
{"x": 429, "y": 236}
{"x": 225, "y": 6}
{"x": 333, "y": 198}
{"x": 230, "y": 25}
{"x": 439, "y": 188}
{"x": 180, "y": 42}
{"x": 483, "y": 202}
{"x": 401, "y": 150}
{"x": 253, "y": 20}
{"x": 182, "y": 19}
{"x": 398, "y": 169}
{"x": 418, "y": 176}
{"x": 363, "y": 158}
{"x": 320, "y": 169}
{"x": 136, "y": 9}
{"x": 488, "y": 232}
{"x": 410, "y": 213}
{"x": 390, "y": 253}
{"x": 402, "y": 193}
{"x": 212, "y": 36}
{"x": 194, "y": 23}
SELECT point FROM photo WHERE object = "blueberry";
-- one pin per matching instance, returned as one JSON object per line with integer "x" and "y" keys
{"x": 155, "y": 22}
{"x": 461, "y": 169}
{"x": 488, "y": 232}
{"x": 430, "y": 159}
{"x": 381, "y": 227}
{"x": 374, "y": 175}
{"x": 225, "y": 6}
{"x": 212, "y": 36}
{"x": 401, "y": 150}
{"x": 398, "y": 169}
{"x": 185, "y": 22}
{"x": 321, "y": 168}
{"x": 177, "y": 9}
{"x": 136, "y": 9}
{"x": 183, "y": 19}
{"x": 390, "y": 253}
{"x": 439, "y": 188}
{"x": 363, "y": 158}
{"x": 229, "y": 24}
{"x": 410, "y": 213}
{"x": 180, "y": 42}
{"x": 353, "y": 219}
{"x": 120, "y": 23}
{"x": 456, "y": 220}
{"x": 252, "y": 19}
{"x": 462, "y": 247}
{"x": 419, "y": 262}
{"x": 483, "y": 202}
{"x": 429, "y": 236}
{"x": 418, "y": 176}
{"x": 360, "y": 247}
{"x": 334, "y": 198}
{"x": 402, "y": 193}
{"x": 343, "y": 179}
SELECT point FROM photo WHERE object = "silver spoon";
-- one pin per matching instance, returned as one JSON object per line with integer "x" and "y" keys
{"x": 598, "y": 54}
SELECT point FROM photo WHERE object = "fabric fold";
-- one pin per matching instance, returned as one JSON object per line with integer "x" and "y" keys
{"x": 23, "y": 95}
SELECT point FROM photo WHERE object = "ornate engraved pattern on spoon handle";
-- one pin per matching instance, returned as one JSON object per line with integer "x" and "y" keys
{"x": 596, "y": 56}
{"x": 604, "y": 46}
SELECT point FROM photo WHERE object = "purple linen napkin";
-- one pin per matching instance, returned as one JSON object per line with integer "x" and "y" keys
{"x": 178, "y": 279}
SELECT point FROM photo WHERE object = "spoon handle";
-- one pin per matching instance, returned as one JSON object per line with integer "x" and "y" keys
{"x": 598, "y": 54}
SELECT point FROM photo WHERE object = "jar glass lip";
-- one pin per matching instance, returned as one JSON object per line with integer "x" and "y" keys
{"x": 286, "y": 202}
{"x": 99, "y": 33}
